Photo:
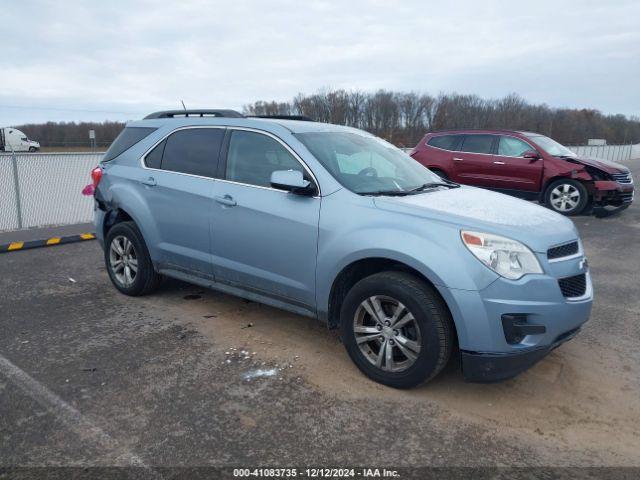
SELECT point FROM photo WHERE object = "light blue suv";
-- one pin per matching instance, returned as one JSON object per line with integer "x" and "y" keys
{"x": 334, "y": 223}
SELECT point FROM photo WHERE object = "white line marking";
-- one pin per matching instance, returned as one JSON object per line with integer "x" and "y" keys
{"x": 78, "y": 423}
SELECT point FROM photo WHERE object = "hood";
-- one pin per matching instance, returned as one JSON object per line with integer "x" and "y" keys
{"x": 485, "y": 211}
{"x": 605, "y": 165}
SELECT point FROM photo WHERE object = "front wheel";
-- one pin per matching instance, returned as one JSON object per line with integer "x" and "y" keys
{"x": 396, "y": 329}
{"x": 32, "y": 149}
{"x": 566, "y": 196}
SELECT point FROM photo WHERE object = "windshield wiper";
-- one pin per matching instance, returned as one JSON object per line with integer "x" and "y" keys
{"x": 426, "y": 186}
{"x": 402, "y": 193}
{"x": 390, "y": 193}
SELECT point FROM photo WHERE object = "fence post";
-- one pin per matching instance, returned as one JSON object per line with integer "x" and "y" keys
{"x": 16, "y": 185}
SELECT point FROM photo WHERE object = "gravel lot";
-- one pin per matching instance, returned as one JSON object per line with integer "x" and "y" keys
{"x": 91, "y": 377}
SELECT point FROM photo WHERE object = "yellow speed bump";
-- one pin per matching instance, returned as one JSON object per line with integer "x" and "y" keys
{"x": 48, "y": 242}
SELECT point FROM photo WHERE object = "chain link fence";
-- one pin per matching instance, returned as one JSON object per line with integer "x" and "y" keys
{"x": 43, "y": 189}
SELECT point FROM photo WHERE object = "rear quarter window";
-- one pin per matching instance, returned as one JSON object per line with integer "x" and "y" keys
{"x": 127, "y": 139}
{"x": 445, "y": 142}
{"x": 154, "y": 157}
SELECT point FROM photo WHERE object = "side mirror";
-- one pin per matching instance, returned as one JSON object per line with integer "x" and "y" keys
{"x": 531, "y": 155}
{"x": 292, "y": 181}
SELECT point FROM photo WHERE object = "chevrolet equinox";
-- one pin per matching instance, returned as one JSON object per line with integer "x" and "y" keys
{"x": 334, "y": 223}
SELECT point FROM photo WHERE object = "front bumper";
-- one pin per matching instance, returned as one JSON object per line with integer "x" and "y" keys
{"x": 534, "y": 306}
{"x": 494, "y": 367}
{"x": 612, "y": 194}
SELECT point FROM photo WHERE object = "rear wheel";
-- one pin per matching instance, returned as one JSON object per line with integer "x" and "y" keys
{"x": 127, "y": 260}
{"x": 396, "y": 329}
{"x": 566, "y": 196}
{"x": 32, "y": 149}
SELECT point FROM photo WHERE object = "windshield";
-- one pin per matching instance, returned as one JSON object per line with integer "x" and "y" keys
{"x": 551, "y": 146}
{"x": 366, "y": 164}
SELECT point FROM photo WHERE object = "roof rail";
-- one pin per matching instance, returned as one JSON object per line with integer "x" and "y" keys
{"x": 194, "y": 113}
{"x": 284, "y": 117}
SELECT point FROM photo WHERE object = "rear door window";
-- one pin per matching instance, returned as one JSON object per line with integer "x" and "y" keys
{"x": 512, "y": 147}
{"x": 445, "y": 142}
{"x": 193, "y": 150}
{"x": 477, "y": 143}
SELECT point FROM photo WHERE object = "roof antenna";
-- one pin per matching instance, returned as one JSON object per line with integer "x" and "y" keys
{"x": 185, "y": 108}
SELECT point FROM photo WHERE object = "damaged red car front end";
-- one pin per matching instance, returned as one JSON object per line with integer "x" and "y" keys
{"x": 610, "y": 184}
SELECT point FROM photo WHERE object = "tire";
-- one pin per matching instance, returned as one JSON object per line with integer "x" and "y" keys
{"x": 566, "y": 196}
{"x": 32, "y": 149}
{"x": 431, "y": 329}
{"x": 440, "y": 173}
{"x": 128, "y": 239}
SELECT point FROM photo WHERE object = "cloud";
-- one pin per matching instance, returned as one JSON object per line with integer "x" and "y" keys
{"x": 121, "y": 59}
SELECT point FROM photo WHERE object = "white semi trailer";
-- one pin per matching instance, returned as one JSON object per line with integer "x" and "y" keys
{"x": 13, "y": 140}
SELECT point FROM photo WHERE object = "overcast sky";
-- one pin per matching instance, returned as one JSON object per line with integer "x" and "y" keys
{"x": 66, "y": 60}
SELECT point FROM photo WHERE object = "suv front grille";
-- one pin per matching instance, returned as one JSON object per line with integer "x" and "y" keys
{"x": 573, "y": 287}
{"x": 622, "y": 177}
{"x": 565, "y": 250}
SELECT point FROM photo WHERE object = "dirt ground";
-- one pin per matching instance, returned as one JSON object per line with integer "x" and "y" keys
{"x": 174, "y": 378}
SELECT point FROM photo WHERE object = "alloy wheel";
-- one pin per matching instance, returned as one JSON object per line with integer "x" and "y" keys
{"x": 123, "y": 260}
{"x": 565, "y": 197}
{"x": 387, "y": 333}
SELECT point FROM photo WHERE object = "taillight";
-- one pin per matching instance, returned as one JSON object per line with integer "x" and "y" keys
{"x": 96, "y": 176}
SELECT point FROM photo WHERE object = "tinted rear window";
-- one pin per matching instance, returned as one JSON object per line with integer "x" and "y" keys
{"x": 127, "y": 139}
{"x": 446, "y": 142}
{"x": 477, "y": 144}
{"x": 194, "y": 151}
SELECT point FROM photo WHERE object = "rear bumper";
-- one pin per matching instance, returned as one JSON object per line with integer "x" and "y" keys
{"x": 98, "y": 221}
{"x": 494, "y": 367}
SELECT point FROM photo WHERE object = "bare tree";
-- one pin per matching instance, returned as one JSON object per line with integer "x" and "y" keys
{"x": 401, "y": 117}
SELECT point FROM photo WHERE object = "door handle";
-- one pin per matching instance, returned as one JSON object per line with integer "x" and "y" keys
{"x": 499, "y": 163}
{"x": 456, "y": 159}
{"x": 226, "y": 200}
{"x": 150, "y": 182}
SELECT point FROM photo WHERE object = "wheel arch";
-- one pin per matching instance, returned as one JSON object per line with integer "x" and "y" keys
{"x": 364, "y": 267}
{"x": 123, "y": 203}
{"x": 114, "y": 216}
{"x": 587, "y": 182}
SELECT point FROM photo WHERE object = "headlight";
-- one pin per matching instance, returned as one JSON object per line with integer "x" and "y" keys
{"x": 506, "y": 257}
